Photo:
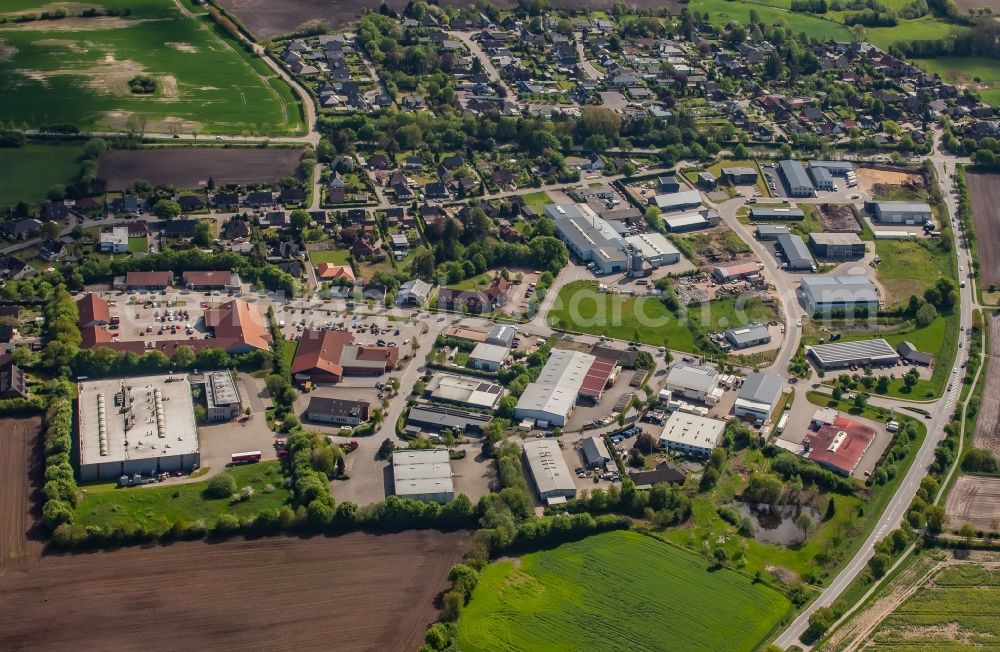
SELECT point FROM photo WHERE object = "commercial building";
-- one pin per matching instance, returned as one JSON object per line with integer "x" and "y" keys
{"x": 836, "y": 168}
{"x": 796, "y": 252}
{"x": 825, "y": 294}
{"x": 423, "y": 475}
{"x": 124, "y": 429}
{"x": 464, "y": 391}
{"x": 707, "y": 180}
{"x": 796, "y": 179}
{"x": 748, "y": 336}
{"x": 837, "y": 246}
{"x": 115, "y": 241}
{"x": 238, "y": 327}
{"x": 501, "y": 336}
{"x": 695, "y": 382}
{"x": 664, "y": 473}
{"x": 772, "y": 213}
{"x": 595, "y": 451}
{"x": 822, "y": 179}
{"x": 548, "y": 468}
{"x": 566, "y": 377}
{"x": 691, "y": 434}
{"x": 339, "y": 411}
{"x": 488, "y": 357}
{"x": 735, "y": 271}
{"x": 211, "y": 280}
{"x": 326, "y": 356}
{"x": 92, "y": 311}
{"x": 434, "y": 417}
{"x": 589, "y": 237}
{"x": 913, "y": 355}
{"x": 655, "y": 248}
{"x": 148, "y": 280}
{"x": 739, "y": 176}
{"x": 222, "y": 398}
{"x": 771, "y": 231}
{"x": 864, "y": 353}
{"x": 901, "y": 212}
{"x": 758, "y": 396}
{"x": 839, "y": 446}
{"x": 677, "y": 201}
{"x": 668, "y": 184}
{"x": 413, "y": 293}
{"x": 688, "y": 222}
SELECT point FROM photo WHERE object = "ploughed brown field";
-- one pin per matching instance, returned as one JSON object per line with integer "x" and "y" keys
{"x": 269, "y": 18}
{"x": 186, "y": 168}
{"x": 353, "y": 592}
{"x": 984, "y": 194}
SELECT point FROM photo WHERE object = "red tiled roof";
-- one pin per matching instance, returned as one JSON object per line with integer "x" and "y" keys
{"x": 148, "y": 279}
{"x": 208, "y": 279}
{"x": 240, "y": 323}
{"x": 329, "y": 271}
{"x": 93, "y": 308}
{"x": 848, "y": 438}
{"x": 319, "y": 351}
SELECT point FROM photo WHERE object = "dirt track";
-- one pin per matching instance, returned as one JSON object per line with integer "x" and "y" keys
{"x": 20, "y": 495}
{"x": 186, "y": 168}
{"x": 984, "y": 194}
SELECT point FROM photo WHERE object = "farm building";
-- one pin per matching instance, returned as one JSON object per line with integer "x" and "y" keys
{"x": 822, "y": 179}
{"x": 588, "y": 236}
{"x": 691, "y": 434}
{"x": 836, "y": 168}
{"x": 326, "y": 356}
{"x": 335, "y": 410}
{"x": 434, "y": 417}
{"x": 501, "y": 336}
{"x": 837, "y": 246}
{"x": 735, "y": 272}
{"x": 464, "y": 391}
{"x": 796, "y": 179}
{"x": 913, "y": 355}
{"x": 764, "y": 213}
{"x": 839, "y": 446}
{"x": 739, "y": 176}
{"x": 123, "y": 427}
{"x": 423, "y": 475}
{"x": 901, "y": 212}
{"x": 654, "y": 248}
{"x": 747, "y": 336}
{"x": 677, "y": 201}
{"x": 549, "y": 470}
{"x": 771, "y": 231}
{"x": 488, "y": 357}
{"x": 796, "y": 252}
{"x": 875, "y": 352}
{"x": 222, "y": 398}
{"x": 664, "y": 473}
{"x": 758, "y": 396}
{"x": 595, "y": 451}
{"x": 824, "y": 294}
{"x": 566, "y": 377}
{"x": 696, "y": 382}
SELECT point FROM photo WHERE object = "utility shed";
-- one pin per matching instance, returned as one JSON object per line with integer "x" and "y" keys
{"x": 423, "y": 475}
{"x": 549, "y": 470}
{"x": 596, "y": 452}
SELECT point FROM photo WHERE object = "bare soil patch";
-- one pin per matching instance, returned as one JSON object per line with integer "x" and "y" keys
{"x": 7, "y": 51}
{"x": 838, "y": 219}
{"x": 72, "y": 46}
{"x": 188, "y": 167}
{"x": 268, "y": 18}
{"x": 123, "y": 120}
{"x": 182, "y": 47}
{"x": 975, "y": 500}
{"x": 984, "y": 194}
{"x": 20, "y": 494}
{"x": 965, "y": 5}
{"x": 354, "y": 592}
{"x": 987, "y": 431}
{"x": 868, "y": 178}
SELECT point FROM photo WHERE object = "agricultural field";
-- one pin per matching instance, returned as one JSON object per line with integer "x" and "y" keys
{"x": 957, "y": 607}
{"x": 191, "y": 168}
{"x": 157, "y": 508}
{"x": 21, "y": 538}
{"x": 631, "y": 591}
{"x": 984, "y": 196}
{"x": 722, "y": 12}
{"x": 79, "y": 70}
{"x": 384, "y": 585}
{"x": 29, "y": 171}
{"x": 977, "y": 73}
{"x": 975, "y": 500}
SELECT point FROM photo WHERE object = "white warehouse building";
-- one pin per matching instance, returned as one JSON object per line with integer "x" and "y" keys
{"x": 695, "y": 382}
{"x": 423, "y": 475}
{"x": 902, "y": 212}
{"x": 655, "y": 248}
{"x": 691, "y": 434}
{"x": 549, "y": 469}
{"x": 589, "y": 237}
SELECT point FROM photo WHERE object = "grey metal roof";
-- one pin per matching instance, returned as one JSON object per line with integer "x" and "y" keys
{"x": 751, "y": 333}
{"x": 772, "y": 230}
{"x": 596, "y": 451}
{"x": 821, "y": 175}
{"x": 772, "y": 213}
{"x": 795, "y": 248}
{"x": 694, "y": 377}
{"x": 436, "y": 417}
{"x": 835, "y": 238}
{"x": 587, "y": 232}
{"x": 794, "y": 174}
{"x": 839, "y": 289}
{"x": 844, "y": 166}
{"x": 903, "y": 207}
{"x": 761, "y": 388}
{"x": 841, "y": 353}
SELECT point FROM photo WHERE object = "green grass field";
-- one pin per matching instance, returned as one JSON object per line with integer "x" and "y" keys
{"x": 722, "y": 12}
{"x": 925, "y": 28}
{"x": 76, "y": 70}
{"x": 909, "y": 267}
{"x": 958, "y": 609}
{"x": 158, "y": 507}
{"x": 964, "y": 71}
{"x": 537, "y": 200}
{"x": 334, "y": 256}
{"x": 616, "y": 591}
{"x": 138, "y": 245}
{"x": 29, "y": 171}
{"x": 580, "y": 307}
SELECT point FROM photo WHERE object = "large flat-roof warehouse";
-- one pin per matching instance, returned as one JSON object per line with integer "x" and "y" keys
{"x": 464, "y": 390}
{"x": 548, "y": 467}
{"x": 853, "y": 354}
{"x": 136, "y": 425}
{"x": 588, "y": 236}
{"x": 423, "y": 475}
{"x": 566, "y": 376}
{"x": 828, "y": 293}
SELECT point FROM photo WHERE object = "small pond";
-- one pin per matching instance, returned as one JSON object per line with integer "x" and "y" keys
{"x": 776, "y": 524}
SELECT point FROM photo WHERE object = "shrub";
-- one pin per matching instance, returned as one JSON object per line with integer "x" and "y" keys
{"x": 979, "y": 460}
{"x": 221, "y": 486}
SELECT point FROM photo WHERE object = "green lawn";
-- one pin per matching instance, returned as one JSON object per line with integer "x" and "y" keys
{"x": 617, "y": 591}
{"x": 926, "y": 28}
{"x": 909, "y": 267}
{"x": 77, "y": 71}
{"x": 157, "y": 508}
{"x": 29, "y": 171}
{"x": 334, "y": 256}
{"x": 473, "y": 282}
{"x": 286, "y": 349}
{"x": 537, "y": 200}
{"x": 964, "y": 71}
{"x": 732, "y": 312}
{"x": 139, "y": 245}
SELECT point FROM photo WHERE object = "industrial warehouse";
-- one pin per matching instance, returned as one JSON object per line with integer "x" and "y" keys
{"x": 824, "y": 294}
{"x": 566, "y": 376}
{"x": 423, "y": 475}
{"x": 124, "y": 427}
{"x": 548, "y": 467}
{"x": 864, "y": 353}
